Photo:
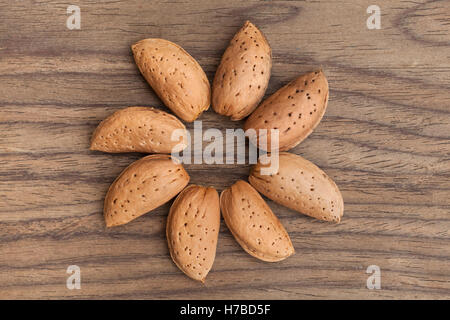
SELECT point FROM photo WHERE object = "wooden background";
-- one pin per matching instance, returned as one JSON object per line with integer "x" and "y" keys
{"x": 385, "y": 140}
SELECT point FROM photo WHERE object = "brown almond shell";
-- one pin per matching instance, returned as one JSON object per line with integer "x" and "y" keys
{"x": 301, "y": 186}
{"x": 192, "y": 230}
{"x": 253, "y": 224}
{"x": 295, "y": 110}
{"x": 139, "y": 129}
{"x": 143, "y": 186}
{"x": 175, "y": 76}
{"x": 243, "y": 74}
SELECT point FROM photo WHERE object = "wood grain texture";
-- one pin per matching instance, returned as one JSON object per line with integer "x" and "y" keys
{"x": 384, "y": 139}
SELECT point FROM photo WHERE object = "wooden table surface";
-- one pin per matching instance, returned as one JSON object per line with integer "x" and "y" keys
{"x": 385, "y": 140}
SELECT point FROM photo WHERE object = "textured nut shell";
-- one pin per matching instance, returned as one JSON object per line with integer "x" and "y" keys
{"x": 143, "y": 186}
{"x": 192, "y": 230}
{"x": 243, "y": 74}
{"x": 295, "y": 110}
{"x": 301, "y": 186}
{"x": 174, "y": 75}
{"x": 138, "y": 129}
{"x": 253, "y": 224}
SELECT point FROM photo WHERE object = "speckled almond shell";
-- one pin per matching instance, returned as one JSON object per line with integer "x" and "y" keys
{"x": 243, "y": 74}
{"x": 139, "y": 129}
{"x": 143, "y": 186}
{"x": 301, "y": 186}
{"x": 295, "y": 110}
{"x": 253, "y": 224}
{"x": 175, "y": 76}
{"x": 192, "y": 230}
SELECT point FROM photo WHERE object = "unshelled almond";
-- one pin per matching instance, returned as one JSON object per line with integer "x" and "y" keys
{"x": 294, "y": 110}
{"x": 175, "y": 76}
{"x": 139, "y": 129}
{"x": 243, "y": 74}
{"x": 301, "y": 186}
{"x": 143, "y": 186}
{"x": 253, "y": 224}
{"x": 192, "y": 230}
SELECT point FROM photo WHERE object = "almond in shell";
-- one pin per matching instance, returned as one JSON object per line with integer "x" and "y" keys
{"x": 253, "y": 224}
{"x": 175, "y": 76}
{"x": 243, "y": 74}
{"x": 139, "y": 129}
{"x": 301, "y": 186}
{"x": 295, "y": 110}
{"x": 192, "y": 230}
{"x": 143, "y": 186}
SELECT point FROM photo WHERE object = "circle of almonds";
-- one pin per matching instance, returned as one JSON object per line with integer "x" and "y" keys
{"x": 237, "y": 90}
